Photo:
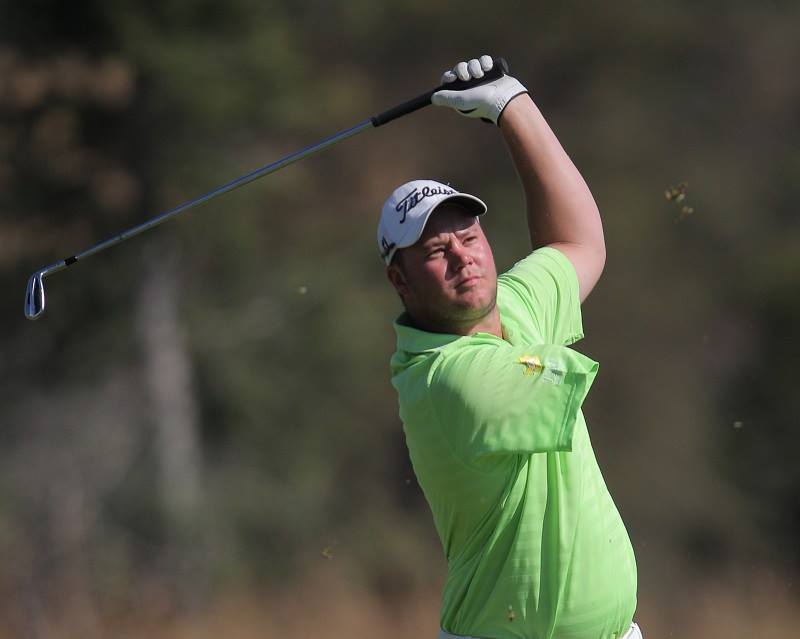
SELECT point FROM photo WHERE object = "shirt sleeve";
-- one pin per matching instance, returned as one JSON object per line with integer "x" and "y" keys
{"x": 502, "y": 399}
{"x": 545, "y": 285}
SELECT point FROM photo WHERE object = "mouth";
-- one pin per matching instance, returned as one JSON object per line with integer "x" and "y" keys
{"x": 468, "y": 281}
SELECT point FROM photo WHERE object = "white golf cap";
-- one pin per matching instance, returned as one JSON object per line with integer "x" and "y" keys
{"x": 408, "y": 208}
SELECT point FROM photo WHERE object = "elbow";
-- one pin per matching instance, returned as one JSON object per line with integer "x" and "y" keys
{"x": 594, "y": 257}
{"x": 601, "y": 258}
{"x": 598, "y": 262}
{"x": 595, "y": 263}
{"x": 597, "y": 249}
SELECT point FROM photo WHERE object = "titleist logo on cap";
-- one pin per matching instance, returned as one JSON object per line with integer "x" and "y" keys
{"x": 416, "y": 196}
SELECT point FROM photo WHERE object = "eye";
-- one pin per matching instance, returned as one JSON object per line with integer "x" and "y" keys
{"x": 434, "y": 253}
{"x": 470, "y": 239}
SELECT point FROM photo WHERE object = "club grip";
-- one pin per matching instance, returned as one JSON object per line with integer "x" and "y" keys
{"x": 498, "y": 70}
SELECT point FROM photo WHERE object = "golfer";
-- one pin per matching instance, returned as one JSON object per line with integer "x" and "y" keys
{"x": 490, "y": 392}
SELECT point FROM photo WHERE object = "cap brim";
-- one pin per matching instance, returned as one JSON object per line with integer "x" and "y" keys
{"x": 473, "y": 205}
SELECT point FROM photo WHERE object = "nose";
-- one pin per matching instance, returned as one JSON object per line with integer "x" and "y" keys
{"x": 460, "y": 255}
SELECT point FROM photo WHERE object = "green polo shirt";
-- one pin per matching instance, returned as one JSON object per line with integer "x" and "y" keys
{"x": 534, "y": 544}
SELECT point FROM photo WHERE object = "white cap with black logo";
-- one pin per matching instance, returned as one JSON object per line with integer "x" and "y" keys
{"x": 408, "y": 208}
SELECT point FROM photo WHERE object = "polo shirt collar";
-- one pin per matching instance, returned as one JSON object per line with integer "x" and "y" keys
{"x": 413, "y": 340}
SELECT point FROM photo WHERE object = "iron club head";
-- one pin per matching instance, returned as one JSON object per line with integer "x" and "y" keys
{"x": 34, "y": 297}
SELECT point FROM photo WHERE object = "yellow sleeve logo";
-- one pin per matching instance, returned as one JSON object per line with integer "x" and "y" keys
{"x": 532, "y": 364}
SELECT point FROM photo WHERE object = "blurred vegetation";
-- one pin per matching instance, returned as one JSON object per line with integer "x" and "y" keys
{"x": 204, "y": 414}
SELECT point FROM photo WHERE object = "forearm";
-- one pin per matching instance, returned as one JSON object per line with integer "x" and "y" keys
{"x": 561, "y": 209}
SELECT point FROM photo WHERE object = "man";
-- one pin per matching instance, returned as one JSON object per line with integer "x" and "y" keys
{"x": 490, "y": 395}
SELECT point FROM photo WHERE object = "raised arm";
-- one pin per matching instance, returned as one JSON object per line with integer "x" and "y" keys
{"x": 561, "y": 210}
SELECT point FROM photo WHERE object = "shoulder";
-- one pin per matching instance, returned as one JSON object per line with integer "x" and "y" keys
{"x": 542, "y": 291}
{"x": 546, "y": 266}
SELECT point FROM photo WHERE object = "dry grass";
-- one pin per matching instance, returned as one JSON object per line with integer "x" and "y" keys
{"x": 765, "y": 607}
{"x": 326, "y": 605}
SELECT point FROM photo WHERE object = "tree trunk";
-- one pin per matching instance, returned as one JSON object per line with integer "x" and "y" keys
{"x": 172, "y": 405}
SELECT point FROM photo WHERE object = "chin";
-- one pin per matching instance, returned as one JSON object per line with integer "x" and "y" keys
{"x": 475, "y": 308}
{"x": 476, "y": 298}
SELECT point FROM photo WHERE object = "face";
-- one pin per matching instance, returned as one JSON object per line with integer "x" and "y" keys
{"x": 448, "y": 279}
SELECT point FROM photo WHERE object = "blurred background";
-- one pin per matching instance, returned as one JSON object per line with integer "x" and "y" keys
{"x": 200, "y": 436}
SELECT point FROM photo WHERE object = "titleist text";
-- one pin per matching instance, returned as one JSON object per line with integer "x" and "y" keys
{"x": 416, "y": 196}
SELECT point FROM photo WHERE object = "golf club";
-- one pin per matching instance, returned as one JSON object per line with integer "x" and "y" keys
{"x": 34, "y": 296}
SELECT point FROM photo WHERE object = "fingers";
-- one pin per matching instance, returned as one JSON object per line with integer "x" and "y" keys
{"x": 448, "y": 76}
{"x": 473, "y": 69}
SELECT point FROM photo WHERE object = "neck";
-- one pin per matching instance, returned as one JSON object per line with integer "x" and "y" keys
{"x": 489, "y": 323}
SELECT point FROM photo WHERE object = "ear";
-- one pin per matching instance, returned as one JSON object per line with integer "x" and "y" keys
{"x": 398, "y": 279}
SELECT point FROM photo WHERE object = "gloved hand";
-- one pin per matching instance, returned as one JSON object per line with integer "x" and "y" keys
{"x": 486, "y": 101}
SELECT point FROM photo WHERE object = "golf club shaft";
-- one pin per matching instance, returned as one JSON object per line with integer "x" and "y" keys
{"x": 225, "y": 188}
{"x": 34, "y": 299}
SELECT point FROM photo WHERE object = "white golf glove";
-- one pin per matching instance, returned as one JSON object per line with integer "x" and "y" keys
{"x": 486, "y": 101}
